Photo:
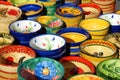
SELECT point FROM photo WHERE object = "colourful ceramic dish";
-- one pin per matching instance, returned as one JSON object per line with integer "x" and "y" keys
{"x": 76, "y": 65}
{"x": 10, "y": 58}
{"x": 40, "y": 69}
{"x": 97, "y": 51}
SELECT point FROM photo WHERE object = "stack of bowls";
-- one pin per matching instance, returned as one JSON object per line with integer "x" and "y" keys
{"x": 107, "y": 6}
{"x": 10, "y": 58}
{"x": 71, "y": 14}
{"x": 114, "y": 20}
{"x": 49, "y": 45}
{"x": 40, "y": 69}
{"x": 97, "y": 51}
{"x": 74, "y": 37}
{"x": 24, "y": 30}
{"x": 97, "y": 27}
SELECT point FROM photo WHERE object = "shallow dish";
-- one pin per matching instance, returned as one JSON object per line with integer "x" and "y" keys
{"x": 10, "y": 58}
{"x": 98, "y": 50}
{"x": 40, "y": 69}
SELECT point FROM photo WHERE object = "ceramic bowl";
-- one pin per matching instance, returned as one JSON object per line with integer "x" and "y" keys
{"x": 31, "y": 10}
{"x": 114, "y": 20}
{"x": 10, "y": 58}
{"x": 53, "y": 24}
{"x": 70, "y": 14}
{"x": 86, "y": 77}
{"x": 40, "y": 69}
{"x": 6, "y": 39}
{"x": 95, "y": 26}
{"x": 74, "y": 37}
{"x": 48, "y": 45}
{"x": 8, "y": 14}
{"x": 76, "y": 65}
{"x": 97, "y": 51}
{"x": 106, "y": 68}
{"x": 24, "y": 30}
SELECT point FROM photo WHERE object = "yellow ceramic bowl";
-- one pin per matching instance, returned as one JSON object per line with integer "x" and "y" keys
{"x": 98, "y": 50}
{"x": 95, "y": 26}
{"x": 117, "y": 12}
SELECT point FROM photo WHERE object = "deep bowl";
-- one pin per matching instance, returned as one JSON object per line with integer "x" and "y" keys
{"x": 10, "y": 58}
{"x": 40, "y": 69}
{"x": 98, "y": 50}
{"x": 47, "y": 45}
{"x": 24, "y": 30}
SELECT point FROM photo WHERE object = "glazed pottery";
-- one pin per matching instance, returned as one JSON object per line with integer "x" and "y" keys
{"x": 52, "y": 23}
{"x": 76, "y": 2}
{"x": 109, "y": 69}
{"x": 70, "y": 14}
{"x": 10, "y": 58}
{"x": 86, "y": 77}
{"x": 97, "y": 51}
{"x": 24, "y": 30}
{"x": 47, "y": 45}
{"x": 74, "y": 65}
{"x": 8, "y": 14}
{"x": 74, "y": 37}
{"x": 96, "y": 27}
{"x": 31, "y": 10}
{"x": 5, "y": 3}
{"x": 114, "y": 20}
{"x": 91, "y": 10}
{"x": 40, "y": 69}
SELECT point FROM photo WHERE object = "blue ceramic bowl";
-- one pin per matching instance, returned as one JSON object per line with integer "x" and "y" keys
{"x": 31, "y": 10}
{"x": 48, "y": 45}
{"x": 24, "y": 30}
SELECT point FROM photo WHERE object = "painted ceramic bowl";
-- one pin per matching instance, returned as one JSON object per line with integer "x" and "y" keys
{"x": 31, "y": 10}
{"x": 70, "y": 14}
{"x": 95, "y": 26}
{"x": 48, "y": 45}
{"x": 114, "y": 20}
{"x": 74, "y": 65}
{"x": 6, "y": 39}
{"x": 109, "y": 69}
{"x": 53, "y": 24}
{"x": 10, "y": 58}
{"x": 74, "y": 37}
{"x": 24, "y": 30}
{"x": 40, "y": 69}
{"x": 8, "y": 14}
{"x": 91, "y": 10}
{"x": 86, "y": 77}
{"x": 98, "y": 50}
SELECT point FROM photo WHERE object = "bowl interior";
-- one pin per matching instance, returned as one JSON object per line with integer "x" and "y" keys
{"x": 25, "y": 26}
{"x": 48, "y": 42}
{"x": 114, "y": 19}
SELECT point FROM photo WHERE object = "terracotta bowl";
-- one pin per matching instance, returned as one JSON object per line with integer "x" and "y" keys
{"x": 24, "y": 30}
{"x": 98, "y": 50}
{"x": 10, "y": 58}
{"x": 40, "y": 69}
{"x": 48, "y": 45}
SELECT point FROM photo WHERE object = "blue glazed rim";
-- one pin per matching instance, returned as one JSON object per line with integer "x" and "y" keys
{"x": 73, "y": 29}
{"x": 68, "y": 5}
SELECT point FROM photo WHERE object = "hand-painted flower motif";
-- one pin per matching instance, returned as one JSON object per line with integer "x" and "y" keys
{"x": 56, "y": 23}
{"x": 45, "y": 70}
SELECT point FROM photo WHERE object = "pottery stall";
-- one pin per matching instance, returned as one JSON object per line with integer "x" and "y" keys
{"x": 59, "y": 39}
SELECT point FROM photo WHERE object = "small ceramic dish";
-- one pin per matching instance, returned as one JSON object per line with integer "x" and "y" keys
{"x": 86, "y": 77}
{"x": 24, "y": 30}
{"x": 76, "y": 65}
{"x": 97, "y": 51}
{"x": 53, "y": 24}
{"x": 8, "y": 14}
{"x": 114, "y": 20}
{"x": 10, "y": 58}
{"x": 47, "y": 45}
{"x": 31, "y": 10}
{"x": 109, "y": 69}
{"x": 40, "y": 69}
